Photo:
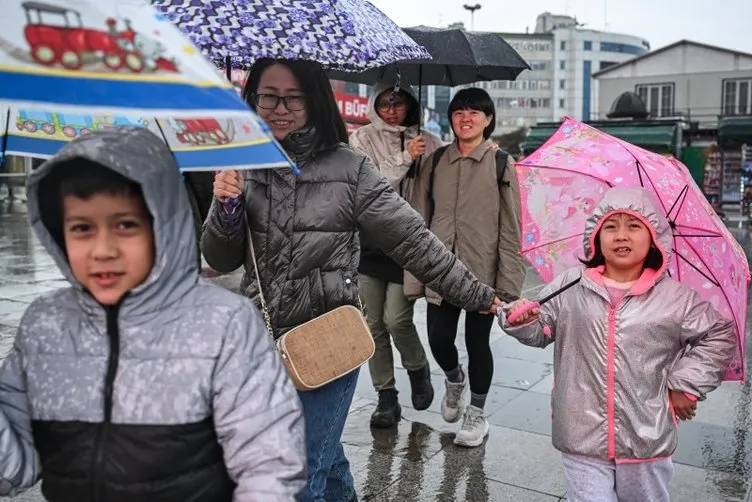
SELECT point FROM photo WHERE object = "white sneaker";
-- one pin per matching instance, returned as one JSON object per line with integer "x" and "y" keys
{"x": 454, "y": 401}
{"x": 474, "y": 428}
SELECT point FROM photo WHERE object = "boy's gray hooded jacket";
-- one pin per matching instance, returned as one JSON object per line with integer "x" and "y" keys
{"x": 614, "y": 364}
{"x": 174, "y": 395}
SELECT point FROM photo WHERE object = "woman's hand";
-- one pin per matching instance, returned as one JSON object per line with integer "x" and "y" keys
{"x": 684, "y": 408}
{"x": 494, "y": 308}
{"x": 416, "y": 146}
{"x": 227, "y": 185}
{"x": 526, "y": 316}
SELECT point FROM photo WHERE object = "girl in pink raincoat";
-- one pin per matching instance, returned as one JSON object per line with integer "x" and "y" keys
{"x": 634, "y": 352}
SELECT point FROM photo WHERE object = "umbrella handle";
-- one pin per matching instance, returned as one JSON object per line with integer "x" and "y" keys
{"x": 522, "y": 310}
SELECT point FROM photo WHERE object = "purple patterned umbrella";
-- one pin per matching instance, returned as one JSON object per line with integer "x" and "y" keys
{"x": 348, "y": 35}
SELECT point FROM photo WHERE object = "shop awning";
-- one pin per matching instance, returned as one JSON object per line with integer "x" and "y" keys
{"x": 660, "y": 138}
{"x": 735, "y": 131}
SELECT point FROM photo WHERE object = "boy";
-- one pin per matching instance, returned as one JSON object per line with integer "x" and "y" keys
{"x": 140, "y": 382}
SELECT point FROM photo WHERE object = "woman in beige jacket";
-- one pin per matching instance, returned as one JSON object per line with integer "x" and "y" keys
{"x": 476, "y": 216}
{"x": 393, "y": 142}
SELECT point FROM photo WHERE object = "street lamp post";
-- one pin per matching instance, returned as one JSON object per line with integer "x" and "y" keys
{"x": 472, "y": 9}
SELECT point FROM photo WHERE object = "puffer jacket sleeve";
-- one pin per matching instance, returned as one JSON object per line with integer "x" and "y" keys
{"x": 541, "y": 331}
{"x": 710, "y": 345}
{"x": 19, "y": 461}
{"x": 257, "y": 414}
{"x": 223, "y": 239}
{"x": 510, "y": 273}
{"x": 389, "y": 222}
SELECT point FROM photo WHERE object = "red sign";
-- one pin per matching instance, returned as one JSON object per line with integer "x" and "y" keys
{"x": 352, "y": 108}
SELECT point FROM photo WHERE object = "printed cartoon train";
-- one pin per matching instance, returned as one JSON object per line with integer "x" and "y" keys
{"x": 57, "y": 35}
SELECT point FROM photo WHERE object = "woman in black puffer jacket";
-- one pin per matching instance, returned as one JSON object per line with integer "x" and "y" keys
{"x": 306, "y": 234}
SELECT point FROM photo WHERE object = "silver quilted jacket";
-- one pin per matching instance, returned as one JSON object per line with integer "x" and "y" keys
{"x": 614, "y": 364}
{"x": 189, "y": 351}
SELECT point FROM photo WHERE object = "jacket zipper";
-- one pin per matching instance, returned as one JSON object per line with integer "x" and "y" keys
{"x": 103, "y": 429}
{"x": 610, "y": 381}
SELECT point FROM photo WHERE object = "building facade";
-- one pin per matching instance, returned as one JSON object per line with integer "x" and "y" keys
{"x": 695, "y": 81}
{"x": 563, "y": 57}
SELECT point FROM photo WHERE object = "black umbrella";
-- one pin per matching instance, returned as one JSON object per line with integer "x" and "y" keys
{"x": 457, "y": 57}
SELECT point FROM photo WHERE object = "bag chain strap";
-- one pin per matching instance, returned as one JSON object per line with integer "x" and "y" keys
{"x": 264, "y": 308}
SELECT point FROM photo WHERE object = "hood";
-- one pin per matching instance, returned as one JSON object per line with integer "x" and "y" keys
{"x": 142, "y": 157}
{"x": 640, "y": 203}
{"x": 377, "y": 121}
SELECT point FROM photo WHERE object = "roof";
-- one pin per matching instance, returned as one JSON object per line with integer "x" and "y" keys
{"x": 667, "y": 48}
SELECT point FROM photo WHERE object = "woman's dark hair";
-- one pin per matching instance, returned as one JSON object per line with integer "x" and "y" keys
{"x": 81, "y": 178}
{"x": 474, "y": 98}
{"x": 653, "y": 260}
{"x": 412, "y": 118}
{"x": 321, "y": 106}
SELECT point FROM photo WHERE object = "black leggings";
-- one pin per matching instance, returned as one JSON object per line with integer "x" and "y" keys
{"x": 442, "y": 331}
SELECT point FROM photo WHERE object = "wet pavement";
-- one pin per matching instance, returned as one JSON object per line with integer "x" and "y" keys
{"x": 417, "y": 460}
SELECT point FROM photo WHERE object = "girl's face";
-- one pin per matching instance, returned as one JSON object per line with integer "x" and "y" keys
{"x": 468, "y": 124}
{"x": 625, "y": 242}
{"x": 280, "y": 101}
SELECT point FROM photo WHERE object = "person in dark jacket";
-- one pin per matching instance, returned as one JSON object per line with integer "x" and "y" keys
{"x": 306, "y": 233}
{"x": 393, "y": 142}
{"x": 140, "y": 382}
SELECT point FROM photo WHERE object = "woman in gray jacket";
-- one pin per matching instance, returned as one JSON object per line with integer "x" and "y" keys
{"x": 306, "y": 233}
{"x": 634, "y": 351}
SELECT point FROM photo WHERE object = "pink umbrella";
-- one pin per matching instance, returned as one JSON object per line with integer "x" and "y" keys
{"x": 562, "y": 182}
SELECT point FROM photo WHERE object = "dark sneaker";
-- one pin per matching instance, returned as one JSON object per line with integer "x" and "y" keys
{"x": 388, "y": 411}
{"x": 422, "y": 390}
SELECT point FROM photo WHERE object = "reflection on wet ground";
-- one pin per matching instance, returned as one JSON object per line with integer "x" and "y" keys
{"x": 417, "y": 460}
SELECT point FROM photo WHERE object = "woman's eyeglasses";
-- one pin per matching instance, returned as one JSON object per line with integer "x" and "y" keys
{"x": 271, "y": 101}
{"x": 386, "y": 104}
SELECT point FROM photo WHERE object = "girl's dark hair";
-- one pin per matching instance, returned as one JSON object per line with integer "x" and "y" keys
{"x": 413, "y": 109}
{"x": 474, "y": 98}
{"x": 321, "y": 106}
{"x": 653, "y": 260}
{"x": 81, "y": 178}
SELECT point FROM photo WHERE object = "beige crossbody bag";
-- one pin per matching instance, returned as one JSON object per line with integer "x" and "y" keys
{"x": 323, "y": 349}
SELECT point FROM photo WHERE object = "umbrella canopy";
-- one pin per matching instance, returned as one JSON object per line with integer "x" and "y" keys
{"x": 562, "y": 182}
{"x": 70, "y": 67}
{"x": 350, "y": 35}
{"x": 457, "y": 57}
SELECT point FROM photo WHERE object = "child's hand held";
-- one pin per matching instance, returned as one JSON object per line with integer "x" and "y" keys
{"x": 522, "y": 311}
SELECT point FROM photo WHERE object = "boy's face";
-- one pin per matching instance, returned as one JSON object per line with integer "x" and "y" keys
{"x": 110, "y": 243}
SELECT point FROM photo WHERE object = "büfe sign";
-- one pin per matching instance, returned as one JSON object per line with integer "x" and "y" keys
{"x": 352, "y": 108}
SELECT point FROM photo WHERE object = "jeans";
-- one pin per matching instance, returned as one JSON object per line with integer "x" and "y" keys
{"x": 390, "y": 314}
{"x": 441, "y": 321}
{"x": 325, "y": 411}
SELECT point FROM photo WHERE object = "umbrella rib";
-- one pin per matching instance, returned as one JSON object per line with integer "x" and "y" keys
{"x": 655, "y": 189}
{"x": 569, "y": 171}
{"x": 706, "y": 276}
{"x": 682, "y": 196}
{"x": 700, "y": 229}
{"x": 697, "y": 235}
{"x": 527, "y": 250}
{"x": 639, "y": 174}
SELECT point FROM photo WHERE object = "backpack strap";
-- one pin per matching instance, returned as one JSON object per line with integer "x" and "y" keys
{"x": 437, "y": 154}
{"x": 501, "y": 167}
